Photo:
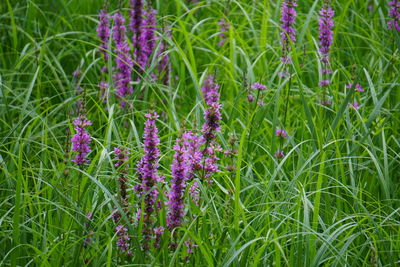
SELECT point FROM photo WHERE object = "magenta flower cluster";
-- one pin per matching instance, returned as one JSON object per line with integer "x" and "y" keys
{"x": 123, "y": 60}
{"x": 288, "y": 34}
{"x": 103, "y": 31}
{"x": 394, "y": 14}
{"x": 148, "y": 174}
{"x": 325, "y": 32}
{"x": 81, "y": 140}
{"x": 223, "y": 28}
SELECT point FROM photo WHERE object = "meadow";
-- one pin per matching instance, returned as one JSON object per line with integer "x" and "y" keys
{"x": 200, "y": 133}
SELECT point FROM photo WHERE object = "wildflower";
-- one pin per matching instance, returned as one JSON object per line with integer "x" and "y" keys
{"x": 250, "y": 98}
{"x": 258, "y": 86}
{"x": 190, "y": 246}
{"x": 147, "y": 169}
{"x": 288, "y": 34}
{"x": 324, "y": 83}
{"x": 123, "y": 60}
{"x": 81, "y": 140}
{"x": 281, "y": 133}
{"x": 279, "y": 154}
{"x": 147, "y": 39}
{"x": 224, "y": 28}
{"x": 357, "y": 87}
{"x": 325, "y": 32}
{"x": 136, "y": 26}
{"x": 180, "y": 170}
{"x": 261, "y": 103}
{"x": 103, "y": 31}
{"x": 158, "y": 232}
{"x": 212, "y": 114}
{"x": 123, "y": 239}
{"x": 192, "y": 144}
{"x": 325, "y": 102}
{"x": 194, "y": 193}
{"x": 394, "y": 14}
{"x": 355, "y": 105}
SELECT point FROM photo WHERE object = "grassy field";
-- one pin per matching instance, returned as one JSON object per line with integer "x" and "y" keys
{"x": 331, "y": 199}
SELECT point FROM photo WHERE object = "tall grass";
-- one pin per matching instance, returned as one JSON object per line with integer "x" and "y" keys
{"x": 333, "y": 200}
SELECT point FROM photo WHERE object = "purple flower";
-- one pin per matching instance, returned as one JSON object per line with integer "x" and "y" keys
{"x": 136, "y": 25}
{"x": 279, "y": 154}
{"x": 147, "y": 39}
{"x": 81, "y": 140}
{"x": 281, "y": 133}
{"x": 288, "y": 34}
{"x": 258, "y": 86}
{"x": 394, "y": 14}
{"x": 122, "y": 156}
{"x": 250, "y": 98}
{"x": 194, "y": 193}
{"x": 180, "y": 170}
{"x": 355, "y": 105}
{"x": 357, "y": 87}
{"x": 123, "y": 239}
{"x": 326, "y": 102}
{"x": 123, "y": 60}
{"x": 324, "y": 83}
{"x": 103, "y": 31}
{"x": 147, "y": 171}
{"x": 212, "y": 114}
{"x": 192, "y": 144}
{"x": 190, "y": 246}
{"x": 325, "y": 32}
{"x": 158, "y": 232}
{"x": 224, "y": 28}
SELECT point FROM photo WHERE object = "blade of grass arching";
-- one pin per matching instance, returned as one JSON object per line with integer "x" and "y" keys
{"x": 264, "y": 25}
{"x": 17, "y": 208}
{"x": 317, "y": 202}
{"x": 29, "y": 90}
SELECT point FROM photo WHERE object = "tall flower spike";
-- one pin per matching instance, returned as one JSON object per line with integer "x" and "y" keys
{"x": 136, "y": 26}
{"x": 224, "y": 28}
{"x": 123, "y": 60}
{"x": 103, "y": 31}
{"x": 394, "y": 14}
{"x": 288, "y": 34}
{"x": 81, "y": 140}
{"x": 325, "y": 39}
{"x": 147, "y": 170}
{"x": 180, "y": 170}
{"x": 147, "y": 39}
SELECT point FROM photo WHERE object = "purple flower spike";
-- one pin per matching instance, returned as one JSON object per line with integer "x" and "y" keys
{"x": 224, "y": 28}
{"x": 103, "y": 31}
{"x": 355, "y": 105}
{"x": 281, "y": 133}
{"x": 147, "y": 39}
{"x": 325, "y": 32}
{"x": 258, "y": 86}
{"x": 147, "y": 171}
{"x": 180, "y": 170}
{"x": 136, "y": 25}
{"x": 250, "y": 98}
{"x": 123, "y": 60}
{"x": 288, "y": 34}
{"x": 394, "y": 14}
{"x": 81, "y": 140}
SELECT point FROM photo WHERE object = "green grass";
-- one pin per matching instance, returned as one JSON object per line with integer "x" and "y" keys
{"x": 332, "y": 201}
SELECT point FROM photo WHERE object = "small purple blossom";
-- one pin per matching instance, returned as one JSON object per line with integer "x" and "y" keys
{"x": 279, "y": 154}
{"x": 81, "y": 140}
{"x": 357, "y": 87}
{"x": 250, "y": 98}
{"x": 324, "y": 83}
{"x": 123, "y": 241}
{"x": 281, "y": 133}
{"x": 258, "y": 86}
{"x": 158, "y": 232}
{"x": 195, "y": 193}
{"x": 355, "y": 105}
{"x": 394, "y": 14}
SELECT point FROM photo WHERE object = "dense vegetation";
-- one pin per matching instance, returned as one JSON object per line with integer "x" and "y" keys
{"x": 282, "y": 147}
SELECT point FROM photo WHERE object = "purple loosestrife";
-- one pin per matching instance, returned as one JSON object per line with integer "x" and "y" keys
{"x": 136, "y": 25}
{"x": 147, "y": 39}
{"x": 281, "y": 133}
{"x": 103, "y": 31}
{"x": 81, "y": 140}
{"x": 123, "y": 239}
{"x": 394, "y": 14}
{"x": 325, "y": 40}
{"x": 288, "y": 34}
{"x": 223, "y": 28}
{"x": 180, "y": 170}
{"x": 147, "y": 170}
{"x": 211, "y": 126}
{"x": 123, "y": 60}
